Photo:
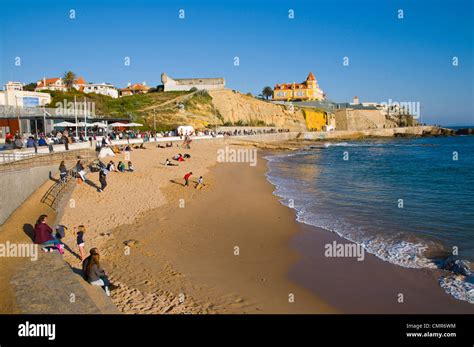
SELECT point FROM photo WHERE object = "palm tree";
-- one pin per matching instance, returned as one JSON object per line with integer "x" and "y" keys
{"x": 69, "y": 77}
{"x": 267, "y": 92}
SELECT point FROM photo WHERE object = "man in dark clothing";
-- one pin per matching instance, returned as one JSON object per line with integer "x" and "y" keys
{"x": 102, "y": 179}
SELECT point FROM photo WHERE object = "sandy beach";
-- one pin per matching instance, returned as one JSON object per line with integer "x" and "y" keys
{"x": 230, "y": 247}
{"x": 182, "y": 255}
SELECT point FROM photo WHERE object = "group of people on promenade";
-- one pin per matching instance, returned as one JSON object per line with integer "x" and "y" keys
{"x": 51, "y": 241}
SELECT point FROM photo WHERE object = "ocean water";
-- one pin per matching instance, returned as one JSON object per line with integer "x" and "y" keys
{"x": 407, "y": 201}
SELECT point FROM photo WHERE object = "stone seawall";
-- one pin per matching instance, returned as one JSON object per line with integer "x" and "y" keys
{"x": 348, "y": 134}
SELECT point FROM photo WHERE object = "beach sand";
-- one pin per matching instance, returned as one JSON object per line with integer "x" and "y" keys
{"x": 182, "y": 258}
{"x": 230, "y": 247}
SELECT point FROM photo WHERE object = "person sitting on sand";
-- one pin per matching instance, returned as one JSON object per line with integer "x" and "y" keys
{"x": 186, "y": 178}
{"x": 186, "y": 156}
{"x": 169, "y": 144}
{"x": 80, "y": 240}
{"x": 130, "y": 167}
{"x": 111, "y": 166}
{"x": 96, "y": 275}
{"x": 200, "y": 183}
{"x": 169, "y": 163}
{"x": 92, "y": 252}
{"x": 121, "y": 166}
{"x": 42, "y": 234}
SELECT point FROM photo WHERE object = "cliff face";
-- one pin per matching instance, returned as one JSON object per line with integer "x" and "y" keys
{"x": 221, "y": 107}
{"x": 235, "y": 107}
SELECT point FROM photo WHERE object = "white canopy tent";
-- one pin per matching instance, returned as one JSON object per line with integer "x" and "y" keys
{"x": 185, "y": 130}
{"x": 118, "y": 124}
{"x": 64, "y": 124}
{"x": 98, "y": 124}
{"x": 134, "y": 124}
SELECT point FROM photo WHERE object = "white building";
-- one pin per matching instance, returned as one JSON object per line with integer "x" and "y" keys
{"x": 14, "y": 95}
{"x": 57, "y": 83}
{"x": 185, "y": 84}
{"x": 101, "y": 88}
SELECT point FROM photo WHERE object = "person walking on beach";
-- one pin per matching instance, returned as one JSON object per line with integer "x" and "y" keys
{"x": 186, "y": 178}
{"x": 200, "y": 183}
{"x": 80, "y": 240}
{"x": 103, "y": 179}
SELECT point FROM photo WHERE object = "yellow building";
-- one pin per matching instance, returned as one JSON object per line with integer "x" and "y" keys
{"x": 318, "y": 120}
{"x": 307, "y": 90}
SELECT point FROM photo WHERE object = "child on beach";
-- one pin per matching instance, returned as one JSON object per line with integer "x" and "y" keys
{"x": 130, "y": 167}
{"x": 79, "y": 231}
{"x": 186, "y": 178}
{"x": 200, "y": 183}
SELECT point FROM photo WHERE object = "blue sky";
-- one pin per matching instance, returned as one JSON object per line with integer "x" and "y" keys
{"x": 406, "y": 60}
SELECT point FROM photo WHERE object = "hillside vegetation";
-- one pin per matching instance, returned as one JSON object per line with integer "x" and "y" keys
{"x": 201, "y": 109}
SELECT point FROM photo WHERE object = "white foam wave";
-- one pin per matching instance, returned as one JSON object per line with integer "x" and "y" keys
{"x": 458, "y": 287}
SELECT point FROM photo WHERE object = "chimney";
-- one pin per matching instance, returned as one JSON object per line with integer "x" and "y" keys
{"x": 356, "y": 100}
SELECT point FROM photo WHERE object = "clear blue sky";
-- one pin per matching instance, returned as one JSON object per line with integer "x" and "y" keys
{"x": 389, "y": 58}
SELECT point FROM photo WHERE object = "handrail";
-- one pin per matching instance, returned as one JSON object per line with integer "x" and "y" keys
{"x": 32, "y": 159}
{"x": 61, "y": 188}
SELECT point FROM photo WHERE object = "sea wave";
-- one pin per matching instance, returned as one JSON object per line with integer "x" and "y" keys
{"x": 460, "y": 287}
{"x": 406, "y": 250}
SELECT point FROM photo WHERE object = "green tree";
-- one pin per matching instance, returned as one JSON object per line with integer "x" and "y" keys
{"x": 30, "y": 87}
{"x": 267, "y": 92}
{"x": 69, "y": 77}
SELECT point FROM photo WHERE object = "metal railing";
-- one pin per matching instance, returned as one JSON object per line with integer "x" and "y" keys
{"x": 17, "y": 160}
{"x": 62, "y": 187}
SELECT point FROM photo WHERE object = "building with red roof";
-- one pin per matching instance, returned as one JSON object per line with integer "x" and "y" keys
{"x": 306, "y": 90}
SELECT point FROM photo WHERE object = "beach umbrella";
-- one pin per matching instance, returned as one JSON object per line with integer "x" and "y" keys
{"x": 64, "y": 124}
{"x": 99, "y": 124}
{"x": 118, "y": 124}
{"x": 134, "y": 124}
